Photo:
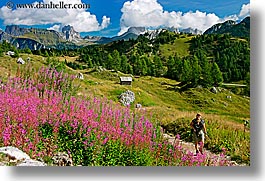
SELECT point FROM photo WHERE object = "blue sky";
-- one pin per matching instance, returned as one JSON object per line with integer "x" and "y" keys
{"x": 109, "y": 18}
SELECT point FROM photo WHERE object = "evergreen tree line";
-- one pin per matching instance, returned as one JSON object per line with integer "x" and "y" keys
{"x": 231, "y": 55}
{"x": 213, "y": 58}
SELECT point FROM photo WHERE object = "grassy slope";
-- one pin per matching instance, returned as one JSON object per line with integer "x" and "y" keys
{"x": 159, "y": 95}
{"x": 180, "y": 46}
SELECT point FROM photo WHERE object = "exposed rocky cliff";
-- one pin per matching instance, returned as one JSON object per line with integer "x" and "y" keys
{"x": 23, "y": 43}
{"x": 37, "y": 38}
{"x": 15, "y": 30}
{"x": 70, "y": 34}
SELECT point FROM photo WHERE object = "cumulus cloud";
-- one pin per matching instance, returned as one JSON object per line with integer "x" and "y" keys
{"x": 55, "y": 27}
{"x": 199, "y": 20}
{"x": 80, "y": 19}
{"x": 245, "y": 10}
{"x": 150, "y": 14}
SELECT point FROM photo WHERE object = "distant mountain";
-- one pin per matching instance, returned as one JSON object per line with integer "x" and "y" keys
{"x": 131, "y": 33}
{"x": 135, "y": 30}
{"x": 241, "y": 29}
{"x": 37, "y": 38}
{"x": 68, "y": 38}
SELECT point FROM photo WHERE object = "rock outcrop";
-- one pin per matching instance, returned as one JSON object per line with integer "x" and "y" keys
{"x": 15, "y": 30}
{"x": 14, "y": 156}
{"x": 70, "y": 34}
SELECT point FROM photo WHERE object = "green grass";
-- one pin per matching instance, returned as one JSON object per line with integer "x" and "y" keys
{"x": 180, "y": 47}
{"x": 48, "y": 38}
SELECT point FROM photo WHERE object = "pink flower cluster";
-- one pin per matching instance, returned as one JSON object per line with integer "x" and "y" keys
{"x": 23, "y": 110}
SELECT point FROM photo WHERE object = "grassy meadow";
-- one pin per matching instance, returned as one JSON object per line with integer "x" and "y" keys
{"x": 162, "y": 103}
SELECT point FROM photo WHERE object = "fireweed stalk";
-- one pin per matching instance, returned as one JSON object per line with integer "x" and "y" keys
{"x": 36, "y": 116}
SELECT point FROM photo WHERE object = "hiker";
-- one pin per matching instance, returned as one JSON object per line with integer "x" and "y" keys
{"x": 198, "y": 132}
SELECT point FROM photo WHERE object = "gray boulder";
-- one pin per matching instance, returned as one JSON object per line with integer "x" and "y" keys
{"x": 14, "y": 153}
{"x": 62, "y": 159}
{"x": 18, "y": 157}
{"x": 127, "y": 98}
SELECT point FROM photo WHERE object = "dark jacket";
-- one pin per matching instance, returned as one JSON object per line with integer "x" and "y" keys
{"x": 196, "y": 126}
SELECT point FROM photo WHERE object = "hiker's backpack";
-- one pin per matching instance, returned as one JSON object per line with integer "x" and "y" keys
{"x": 198, "y": 127}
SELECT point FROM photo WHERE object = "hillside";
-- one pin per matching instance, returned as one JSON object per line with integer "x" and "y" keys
{"x": 180, "y": 47}
{"x": 241, "y": 29}
{"x": 161, "y": 99}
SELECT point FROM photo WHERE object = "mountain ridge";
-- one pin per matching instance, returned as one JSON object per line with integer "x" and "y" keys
{"x": 241, "y": 29}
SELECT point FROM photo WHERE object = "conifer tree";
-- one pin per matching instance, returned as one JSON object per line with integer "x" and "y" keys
{"x": 124, "y": 62}
{"x": 196, "y": 71}
{"x": 158, "y": 66}
{"x": 206, "y": 73}
{"x": 216, "y": 74}
{"x": 116, "y": 64}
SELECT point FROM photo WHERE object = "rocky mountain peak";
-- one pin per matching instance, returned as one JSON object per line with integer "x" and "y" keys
{"x": 15, "y": 30}
{"x": 69, "y": 33}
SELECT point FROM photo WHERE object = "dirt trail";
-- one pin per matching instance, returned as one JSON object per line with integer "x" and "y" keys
{"x": 189, "y": 147}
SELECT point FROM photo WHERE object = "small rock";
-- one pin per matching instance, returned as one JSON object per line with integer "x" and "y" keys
{"x": 138, "y": 105}
{"x": 10, "y": 53}
{"x": 62, "y": 159}
{"x": 214, "y": 90}
{"x": 20, "y": 61}
{"x": 80, "y": 76}
{"x": 228, "y": 97}
{"x": 18, "y": 157}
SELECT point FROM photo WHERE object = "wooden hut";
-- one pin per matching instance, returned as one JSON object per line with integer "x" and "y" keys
{"x": 126, "y": 80}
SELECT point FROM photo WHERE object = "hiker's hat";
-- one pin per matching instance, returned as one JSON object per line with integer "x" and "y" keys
{"x": 198, "y": 114}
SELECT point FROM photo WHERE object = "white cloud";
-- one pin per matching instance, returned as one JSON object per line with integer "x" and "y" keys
{"x": 150, "y": 14}
{"x": 55, "y": 27}
{"x": 80, "y": 19}
{"x": 199, "y": 20}
{"x": 245, "y": 10}
{"x": 105, "y": 22}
